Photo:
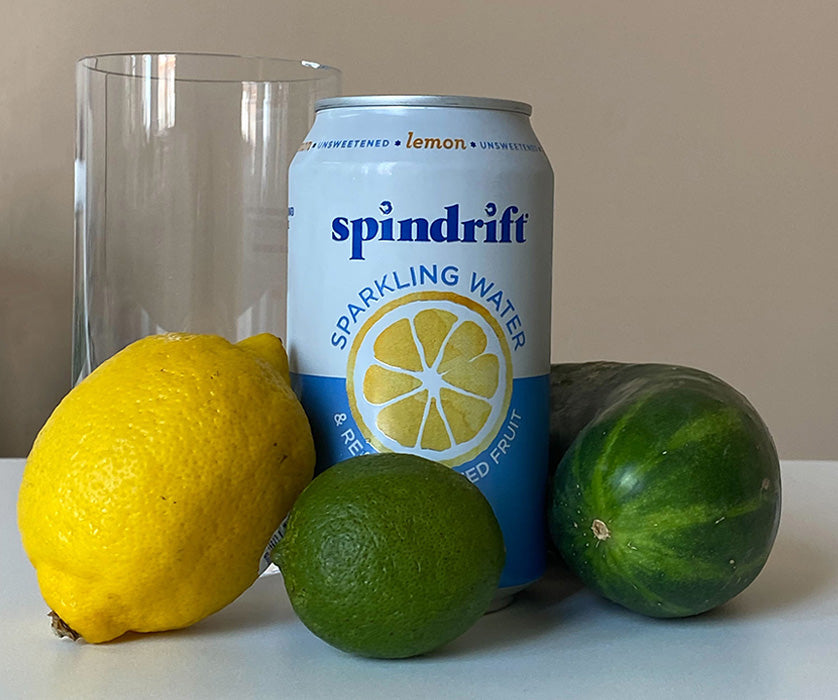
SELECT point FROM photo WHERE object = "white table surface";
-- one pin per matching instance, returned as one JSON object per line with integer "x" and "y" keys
{"x": 778, "y": 639}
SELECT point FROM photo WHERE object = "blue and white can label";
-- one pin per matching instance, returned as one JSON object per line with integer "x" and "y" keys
{"x": 419, "y": 286}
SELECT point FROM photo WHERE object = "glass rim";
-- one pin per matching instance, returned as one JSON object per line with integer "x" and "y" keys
{"x": 319, "y": 71}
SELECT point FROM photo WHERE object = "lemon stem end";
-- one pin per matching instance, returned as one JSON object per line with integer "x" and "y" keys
{"x": 61, "y": 628}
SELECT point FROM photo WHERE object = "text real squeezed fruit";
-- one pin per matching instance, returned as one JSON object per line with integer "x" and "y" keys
{"x": 419, "y": 285}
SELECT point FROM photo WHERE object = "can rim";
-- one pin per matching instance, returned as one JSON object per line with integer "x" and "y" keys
{"x": 461, "y": 101}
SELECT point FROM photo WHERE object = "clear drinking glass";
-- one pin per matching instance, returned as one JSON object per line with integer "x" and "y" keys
{"x": 182, "y": 195}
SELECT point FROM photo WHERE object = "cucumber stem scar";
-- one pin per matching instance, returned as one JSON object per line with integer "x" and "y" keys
{"x": 600, "y": 529}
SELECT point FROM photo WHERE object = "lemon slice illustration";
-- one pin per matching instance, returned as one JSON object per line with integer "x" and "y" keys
{"x": 430, "y": 373}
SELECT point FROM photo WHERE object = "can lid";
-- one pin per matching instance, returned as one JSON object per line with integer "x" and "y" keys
{"x": 424, "y": 101}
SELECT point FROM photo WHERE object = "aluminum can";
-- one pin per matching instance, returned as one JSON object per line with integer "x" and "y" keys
{"x": 419, "y": 288}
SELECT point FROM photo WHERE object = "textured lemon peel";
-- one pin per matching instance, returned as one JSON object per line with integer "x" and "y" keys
{"x": 82, "y": 611}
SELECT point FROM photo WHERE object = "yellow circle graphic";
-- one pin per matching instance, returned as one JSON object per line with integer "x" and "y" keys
{"x": 430, "y": 373}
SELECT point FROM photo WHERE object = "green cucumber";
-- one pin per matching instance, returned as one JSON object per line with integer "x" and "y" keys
{"x": 666, "y": 491}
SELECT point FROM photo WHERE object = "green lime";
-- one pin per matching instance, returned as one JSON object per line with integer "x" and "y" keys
{"x": 390, "y": 555}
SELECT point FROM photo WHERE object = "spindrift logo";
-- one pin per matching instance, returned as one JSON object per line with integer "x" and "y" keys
{"x": 496, "y": 226}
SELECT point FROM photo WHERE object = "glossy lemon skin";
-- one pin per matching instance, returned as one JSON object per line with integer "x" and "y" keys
{"x": 152, "y": 490}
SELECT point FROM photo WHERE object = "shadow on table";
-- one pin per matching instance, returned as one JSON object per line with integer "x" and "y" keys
{"x": 796, "y": 571}
{"x": 262, "y": 605}
{"x": 537, "y": 611}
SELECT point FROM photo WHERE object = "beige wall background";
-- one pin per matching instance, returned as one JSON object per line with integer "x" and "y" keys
{"x": 695, "y": 145}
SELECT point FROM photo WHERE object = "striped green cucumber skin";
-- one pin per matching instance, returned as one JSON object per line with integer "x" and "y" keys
{"x": 666, "y": 498}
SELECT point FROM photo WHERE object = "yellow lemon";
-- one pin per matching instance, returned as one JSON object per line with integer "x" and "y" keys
{"x": 430, "y": 373}
{"x": 153, "y": 489}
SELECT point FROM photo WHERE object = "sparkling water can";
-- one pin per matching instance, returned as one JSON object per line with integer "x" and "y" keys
{"x": 419, "y": 286}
